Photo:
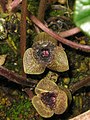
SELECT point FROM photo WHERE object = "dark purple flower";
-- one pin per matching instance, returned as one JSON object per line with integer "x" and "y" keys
{"x": 45, "y": 53}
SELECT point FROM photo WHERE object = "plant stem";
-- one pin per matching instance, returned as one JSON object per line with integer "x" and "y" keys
{"x": 59, "y": 38}
{"x": 3, "y": 4}
{"x": 29, "y": 93}
{"x": 41, "y": 10}
{"x": 84, "y": 82}
{"x": 13, "y": 5}
{"x": 70, "y": 32}
{"x": 23, "y": 31}
{"x": 14, "y": 77}
{"x": 23, "y": 27}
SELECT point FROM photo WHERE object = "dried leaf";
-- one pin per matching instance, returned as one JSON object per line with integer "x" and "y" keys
{"x": 2, "y": 59}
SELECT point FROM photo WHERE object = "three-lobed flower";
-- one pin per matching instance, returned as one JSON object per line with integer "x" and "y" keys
{"x": 45, "y": 52}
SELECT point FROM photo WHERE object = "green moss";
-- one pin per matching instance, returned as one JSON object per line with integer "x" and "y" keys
{"x": 33, "y": 6}
{"x": 21, "y": 107}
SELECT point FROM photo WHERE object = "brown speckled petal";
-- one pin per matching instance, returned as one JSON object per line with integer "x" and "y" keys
{"x": 46, "y": 85}
{"x": 60, "y": 61}
{"x": 30, "y": 64}
{"x": 44, "y": 37}
{"x": 42, "y": 109}
{"x": 61, "y": 103}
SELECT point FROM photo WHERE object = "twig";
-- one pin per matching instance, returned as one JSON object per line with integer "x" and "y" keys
{"x": 70, "y": 32}
{"x": 23, "y": 31}
{"x": 59, "y": 38}
{"x": 66, "y": 33}
{"x": 23, "y": 27}
{"x": 3, "y": 4}
{"x": 41, "y": 10}
{"x": 84, "y": 82}
{"x": 41, "y": 13}
{"x": 14, "y": 77}
{"x": 14, "y": 4}
{"x": 29, "y": 92}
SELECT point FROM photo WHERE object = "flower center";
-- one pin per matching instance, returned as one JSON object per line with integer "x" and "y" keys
{"x": 49, "y": 99}
{"x": 43, "y": 52}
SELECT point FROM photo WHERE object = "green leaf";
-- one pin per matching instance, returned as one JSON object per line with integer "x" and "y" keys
{"x": 82, "y": 15}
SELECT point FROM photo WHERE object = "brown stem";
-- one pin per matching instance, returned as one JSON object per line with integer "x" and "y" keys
{"x": 70, "y": 32}
{"x": 14, "y": 77}
{"x": 59, "y": 38}
{"x": 23, "y": 30}
{"x": 14, "y": 4}
{"x": 23, "y": 27}
{"x": 84, "y": 82}
{"x": 41, "y": 10}
{"x": 66, "y": 33}
{"x": 29, "y": 92}
{"x": 3, "y": 4}
{"x": 41, "y": 13}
